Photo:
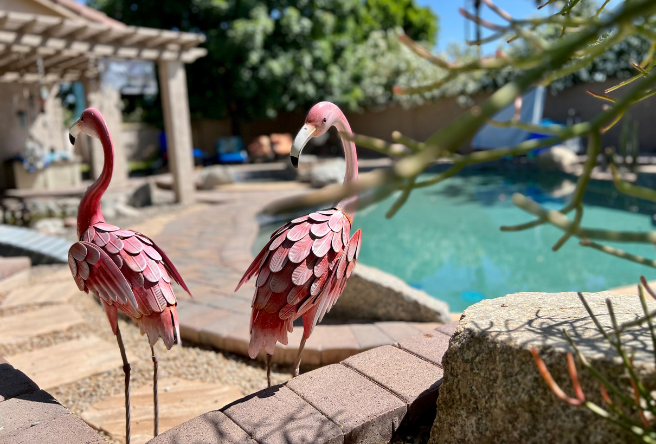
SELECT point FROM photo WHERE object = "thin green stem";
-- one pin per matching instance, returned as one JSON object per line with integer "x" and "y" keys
{"x": 643, "y": 301}
{"x": 631, "y": 190}
{"x": 594, "y": 318}
{"x": 569, "y": 232}
{"x": 407, "y": 141}
{"x": 619, "y": 253}
{"x": 561, "y": 221}
{"x": 596, "y": 16}
{"x": 402, "y": 199}
{"x": 620, "y": 350}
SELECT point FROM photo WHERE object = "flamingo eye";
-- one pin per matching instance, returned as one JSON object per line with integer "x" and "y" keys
{"x": 324, "y": 120}
{"x": 81, "y": 118}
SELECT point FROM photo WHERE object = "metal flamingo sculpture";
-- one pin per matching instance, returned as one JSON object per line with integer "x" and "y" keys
{"x": 304, "y": 267}
{"x": 126, "y": 269}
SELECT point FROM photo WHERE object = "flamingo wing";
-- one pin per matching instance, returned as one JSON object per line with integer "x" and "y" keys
{"x": 94, "y": 270}
{"x": 168, "y": 264}
{"x": 336, "y": 282}
{"x": 295, "y": 270}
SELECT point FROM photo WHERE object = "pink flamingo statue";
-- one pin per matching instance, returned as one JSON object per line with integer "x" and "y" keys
{"x": 304, "y": 267}
{"x": 126, "y": 269}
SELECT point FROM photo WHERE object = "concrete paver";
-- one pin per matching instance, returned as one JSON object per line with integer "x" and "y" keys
{"x": 369, "y": 336}
{"x": 397, "y": 330}
{"x": 26, "y": 411}
{"x": 55, "y": 292}
{"x": 33, "y": 323}
{"x": 69, "y": 361}
{"x": 212, "y": 427}
{"x": 279, "y": 416}
{"x": 365, "y": 411}
{"x": 410, "y": 378}
{"x": 429, "y": 346}
{"x": 67, "y": 429}
{"x": 179, "y": 401}
{"x": 194, "y": 317}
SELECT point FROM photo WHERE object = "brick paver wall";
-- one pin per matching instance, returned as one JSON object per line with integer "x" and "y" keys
{"x": 366, "y": 398}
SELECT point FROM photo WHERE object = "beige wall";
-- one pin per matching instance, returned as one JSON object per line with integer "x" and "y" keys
{"x": 586, "y": 106}
{"x": 418, "y": 123}
{"x": 422, "y": 121}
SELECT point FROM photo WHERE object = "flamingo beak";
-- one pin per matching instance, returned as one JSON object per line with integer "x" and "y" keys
{"x": 302, "y": 138}
{"x": 73, "y": 132}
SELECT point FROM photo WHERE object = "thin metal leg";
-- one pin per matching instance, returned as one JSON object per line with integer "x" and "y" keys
{"x": 297, "y": 365}
{"x": 126, "y": 371}
{"x": 268, "y": 364}
{"x": 155, "y": 397}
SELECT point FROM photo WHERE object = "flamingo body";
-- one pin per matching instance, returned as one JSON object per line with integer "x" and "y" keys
{"x": 301, "y": 271}
{"x": 133, "y": 275}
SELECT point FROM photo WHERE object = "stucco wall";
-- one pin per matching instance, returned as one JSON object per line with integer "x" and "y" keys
{"x": 422, "y": 121}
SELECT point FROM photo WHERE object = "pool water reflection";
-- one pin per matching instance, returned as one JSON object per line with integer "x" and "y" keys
{"x": 446, "y": 239}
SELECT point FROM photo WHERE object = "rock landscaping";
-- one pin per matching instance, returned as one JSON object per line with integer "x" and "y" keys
{"x": 492, "y": 390}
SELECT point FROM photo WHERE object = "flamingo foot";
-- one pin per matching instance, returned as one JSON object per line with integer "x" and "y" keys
{"x": 155, "y": 397}
{"x": 268, "y": 366}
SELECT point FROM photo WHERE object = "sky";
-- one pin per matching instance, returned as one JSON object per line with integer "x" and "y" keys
{"x": 452, "y": 24}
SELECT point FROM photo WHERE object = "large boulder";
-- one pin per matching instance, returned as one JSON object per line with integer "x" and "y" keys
{"x": 373, "y": 295}
{"x": 492, "y": 390}
{"x": 558, "y": 158}
{"x": 214, "y": 176}
{"x": 142, "y": 196}
{"x": 327, "y": 171}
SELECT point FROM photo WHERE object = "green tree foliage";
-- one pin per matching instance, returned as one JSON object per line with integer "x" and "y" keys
{"x": 267, "y": 56}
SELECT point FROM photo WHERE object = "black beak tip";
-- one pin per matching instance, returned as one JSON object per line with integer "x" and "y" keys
{"x": 72, "y": 139}
{"x": 294, "y": 161}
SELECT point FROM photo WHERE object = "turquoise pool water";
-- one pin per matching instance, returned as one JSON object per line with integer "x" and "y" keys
{"x": 446, "y": 239}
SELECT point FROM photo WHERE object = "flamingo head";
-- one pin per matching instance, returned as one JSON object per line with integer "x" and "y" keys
{"x": 91, "y": 122}
{"x": 320, "y": 118}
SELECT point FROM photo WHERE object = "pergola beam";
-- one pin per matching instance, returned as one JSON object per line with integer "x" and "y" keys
{"x": 97, "y": 40}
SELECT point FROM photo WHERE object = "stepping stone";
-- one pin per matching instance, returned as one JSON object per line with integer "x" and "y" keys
{"x": 38, "y": 322}
{"x": 69, "y": 361}
{"x": 41, "y": 293}
{"x": 179, "y": 401}
{"x": 12, "y": 265}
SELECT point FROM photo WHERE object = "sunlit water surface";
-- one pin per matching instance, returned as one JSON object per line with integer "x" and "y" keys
{"x": 446, "y": 238}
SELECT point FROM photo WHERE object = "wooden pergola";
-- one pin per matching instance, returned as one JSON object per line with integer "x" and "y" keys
{"x": 48, "y": 49}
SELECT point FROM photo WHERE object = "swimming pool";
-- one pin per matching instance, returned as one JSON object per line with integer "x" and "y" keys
{"x": 446, "y": 239}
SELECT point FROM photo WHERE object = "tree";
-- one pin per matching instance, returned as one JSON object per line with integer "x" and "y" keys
{"x": 266, "y": 56}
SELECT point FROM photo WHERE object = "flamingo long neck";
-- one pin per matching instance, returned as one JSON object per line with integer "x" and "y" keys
{"x": 89, "y": 212}
{"x": 342, "y": 125}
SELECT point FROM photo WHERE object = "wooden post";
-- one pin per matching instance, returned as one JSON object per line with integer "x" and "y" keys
{"x": 175, "y": 103}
